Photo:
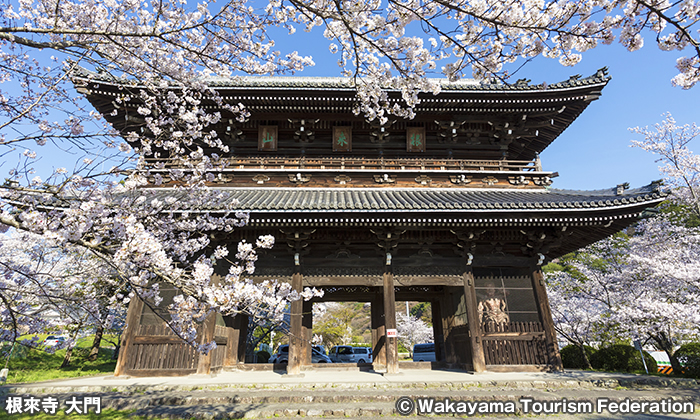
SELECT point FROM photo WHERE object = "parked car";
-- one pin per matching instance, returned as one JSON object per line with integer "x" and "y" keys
{"x": 54, "y": 340}
{"x": 424, "y": 352}
{"x": 282, "y": 355}
{"x": 349, "y": 354}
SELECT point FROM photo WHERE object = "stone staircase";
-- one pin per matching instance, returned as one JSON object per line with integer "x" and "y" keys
{"x": 365, "y": 400}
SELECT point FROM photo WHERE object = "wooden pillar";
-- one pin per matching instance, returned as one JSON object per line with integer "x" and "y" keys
{"x": 392, "y": 347}
{"x": 133, "y": 318}
{"x": 378, "y": 332}
{"x": 242, "y": 337}
{"x": 475, "y": 336}
{"x": 295, "y": 329}
{"x": 438, "y": 334}
{"x": 546, "y": 318}
{"x": 236, "y": 339}
{"x": 447, "y": 310}
{"x": 306, "y": 332}
{"x": 207, "y": 332}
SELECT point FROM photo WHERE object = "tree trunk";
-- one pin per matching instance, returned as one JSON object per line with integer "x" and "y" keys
{"x": 586, "y": 362}
{"x": 66, "y": 359}
{"x": 95, "y": 350}
{"x": 69, "y": 352}
{"x": 665, "y": 344}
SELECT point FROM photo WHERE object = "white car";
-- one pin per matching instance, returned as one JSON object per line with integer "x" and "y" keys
{"x": 54, "y": 340}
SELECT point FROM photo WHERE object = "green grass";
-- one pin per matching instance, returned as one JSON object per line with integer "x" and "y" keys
{"x": 36, "y": 365}
{"x": 107, "y": 414}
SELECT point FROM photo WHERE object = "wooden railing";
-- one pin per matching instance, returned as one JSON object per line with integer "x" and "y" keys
{"x": 514, "y": 343}
{"x": 343, "y": 163}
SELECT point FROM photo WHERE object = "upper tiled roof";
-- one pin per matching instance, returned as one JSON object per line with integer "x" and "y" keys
{"x": 342, "y": 83}
{"x": 441, "y": 200}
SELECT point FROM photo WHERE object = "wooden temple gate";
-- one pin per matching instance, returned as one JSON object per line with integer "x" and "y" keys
{"x": 451, "y": 207}
{"x": 466, "y": 337}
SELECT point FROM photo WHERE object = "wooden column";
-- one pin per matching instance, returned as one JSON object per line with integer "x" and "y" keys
{"x": 475, "y": 336}
{"x": 306, "y": 332}
{"x": 546, "y": 319}
{"x": 207, "y": 332}
{"x": 133, "y": 318}
{"x": 295, "y": 330}
{"x": 378, "y": 332}
{"x": 447, "y": 310}
{"x": 392, "y": 347}
{"x": 438, "y": 334}
{"x": 236, "y": 339}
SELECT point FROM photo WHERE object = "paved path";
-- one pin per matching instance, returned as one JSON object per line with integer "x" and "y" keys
{"x": 330, "y": 376}
{"x": 329, "y": 394}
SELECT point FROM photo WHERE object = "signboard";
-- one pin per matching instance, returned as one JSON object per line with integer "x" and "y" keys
{"x": 415, "y": 139}
{"x": 342, "y": 139}
{"x": 267, "y": 137}
{"x": 391, "y": 332}
{"x": 637, "y": 345}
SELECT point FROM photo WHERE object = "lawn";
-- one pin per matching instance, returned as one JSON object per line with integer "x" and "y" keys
{"x": 104, "y": 415}
{"x": 33, "y": 365}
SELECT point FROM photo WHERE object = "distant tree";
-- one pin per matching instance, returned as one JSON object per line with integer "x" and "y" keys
{"x": 645, "y": 285}
{"x": 423, "y": 311}
{"x": 335, "y": 325}
{"x": 69, "y": 282}
{"x": 412, "y": 330}
{"x": 680, "y": 166}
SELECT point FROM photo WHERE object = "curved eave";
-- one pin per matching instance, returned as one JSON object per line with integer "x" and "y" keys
{"x": 451, "y": 202}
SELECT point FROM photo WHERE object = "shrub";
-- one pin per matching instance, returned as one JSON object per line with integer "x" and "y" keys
{"x": 263, "y": 356}
{"x": 19, "y": 352}
{"x": 689, "y": 356}
{"x": 622, "y": 358}
{"x": 571, "y": 356}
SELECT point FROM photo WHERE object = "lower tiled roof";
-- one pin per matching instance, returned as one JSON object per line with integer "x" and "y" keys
{"x": 380, "y": 199}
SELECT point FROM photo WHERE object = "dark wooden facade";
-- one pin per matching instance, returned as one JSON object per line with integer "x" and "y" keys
{"x": 452, "y": 207}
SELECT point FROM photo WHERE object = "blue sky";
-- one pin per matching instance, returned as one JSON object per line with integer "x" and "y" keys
{"x": 594, "y": 152}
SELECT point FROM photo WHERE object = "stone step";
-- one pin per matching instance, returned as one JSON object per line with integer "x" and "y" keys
{"x": 649, "y": 382}
{"x": 346, "y": 402}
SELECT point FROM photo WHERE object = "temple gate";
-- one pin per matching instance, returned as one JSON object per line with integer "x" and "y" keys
{"x": 452, "y": 207}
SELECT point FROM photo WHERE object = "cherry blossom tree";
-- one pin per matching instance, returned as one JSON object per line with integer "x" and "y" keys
{"x": 646, "y": 283}
{"x": 165, "y": 51}
{"x": 681, "y": 167}
{"x": 577, "y": 318}
{"x": 412, "y": 330}
{"x": 48, "y": 288}
{"x": 645, "y": 286}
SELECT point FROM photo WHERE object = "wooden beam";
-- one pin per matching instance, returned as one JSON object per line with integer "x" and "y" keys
{"x": 295, "y": 331}
{"x": 392, "y": 349}
{"x": 546, "y": 319}
{"x": 524, "y": 336}
{"x": 475, "y": 339}
{"x": 133, "y": 317}
{"x": 156, "y": 339}
{"x": 376, "y": 281}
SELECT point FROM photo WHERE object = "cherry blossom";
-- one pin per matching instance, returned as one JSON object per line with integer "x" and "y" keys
{"x": 412, "y": 330}
{"x": 168, "y": 53}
